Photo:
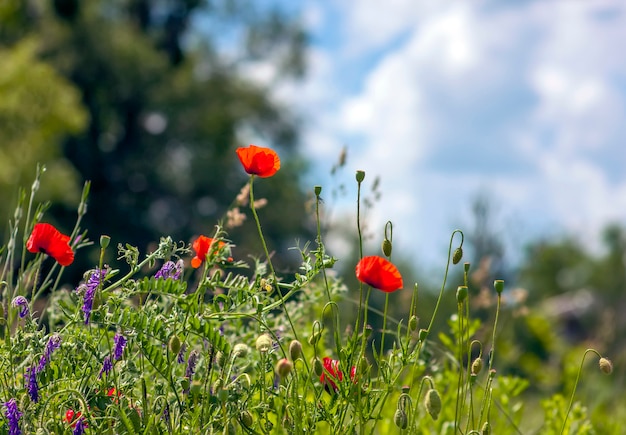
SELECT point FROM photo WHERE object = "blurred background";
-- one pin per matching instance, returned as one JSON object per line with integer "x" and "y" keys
{"x": 504, "y": 119}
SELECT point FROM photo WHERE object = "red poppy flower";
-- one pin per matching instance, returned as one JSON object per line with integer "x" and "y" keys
{"x": 260, "y": 161}
{"x": 202, "y": 246}
{"x": 47, "y": 239}
{"x": 379, "y": 273}
{"x": 332, "y": 373}
{"x": 72, "y": 417}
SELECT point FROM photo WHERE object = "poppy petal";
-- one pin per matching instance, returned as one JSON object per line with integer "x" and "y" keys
{"x": 47, "y": 239}
{"x": 260, "y": 161}
{"x": 379, "y": 273}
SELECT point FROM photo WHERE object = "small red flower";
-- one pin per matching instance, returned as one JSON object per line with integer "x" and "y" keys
{"x": 260, "y": 161}
{"x": 332, "y": 374}
{"x": 72, "y": 417}
{"x": 47, "y": 239}
{"x": 379, "y": 273}
{"x": 202, "y": 245}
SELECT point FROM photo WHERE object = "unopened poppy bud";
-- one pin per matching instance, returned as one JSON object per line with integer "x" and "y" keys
{"x": 477, "y": 366}
{"x": 174, "y": 344}
{"x": 240, "y": 350}
{"x": 318, "y": 367}
{"x": 486, "y": 430}
{"x": 433, "y": 403}
{"x": 461, "y": 293}
{"x": 423, "y": 334}
{"x": 246, "y": 418}
{"x": 283, "y": 368}
{"x": 264, "y": 343}
{"x": 498, "y": 284}
{"x": 360, "y": 176}
{"x": 413, "y": 323}
{"x": 606, "y": 366}
{"x": 104, "y": 241}
{"x": 313, "y": 339}
{"x": 386, "y": 247}
{"x": 458, "y": 254}
{"x": 295, "y": 350}
{"x": 400, "y": 419}
{"x": 317, "y": 190}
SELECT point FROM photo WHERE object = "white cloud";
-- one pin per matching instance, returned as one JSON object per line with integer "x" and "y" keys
{"x": 525, "y": 99}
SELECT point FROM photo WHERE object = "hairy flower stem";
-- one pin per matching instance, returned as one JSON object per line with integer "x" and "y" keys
{"x": 267, "y": 255}
{"x": 571, "y": 400}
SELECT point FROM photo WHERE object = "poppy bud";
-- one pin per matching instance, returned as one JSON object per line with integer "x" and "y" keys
{"x": 240, "y": 350}
{"x": 318, "y": 367}
{"x": 313, "y": 339}
{"x": 283, "y": 368}
{"x": 317, "y": 190}
{"x": 413, "y": 323}
{"x": 104, "y": 241}
{"x": 386, "y": 247}
{"x": 433, "y": 403}
{"x": 246, "y": 418}
{"x": 423, "y": 334}
{"x": 461, "y": 293}
{"x": 360, "y": 176}
{"x": 174, "y": 344}
{"x": 498, "y": 284}
{"x": 606, "y": 366}
{"x": 400, "y": 419}
{"x": 295, "y": 350}
{"x": 264, "y": 343}
{"x": 458, "y": 254}
{"x": 477, "y": 366}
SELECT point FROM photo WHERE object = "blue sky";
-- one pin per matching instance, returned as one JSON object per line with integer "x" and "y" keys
{"x": 522, "y": 100}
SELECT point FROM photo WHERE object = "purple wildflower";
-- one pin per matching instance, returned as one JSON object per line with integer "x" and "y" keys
{"x": 180, "y": 358}
{"x": 22, "y": 303}
{"x": 54, "y": 342}
{"x": 79, "y": 429}
{"x": 170, "y": 270}
{"x": 191, "y": 364}
{"x": 13, "y": 415}
{"x": 107, "y": 366}
{"x": 120, "y": 344}
{"x": 90, "y": 287}
{"x": 33, "y": 387}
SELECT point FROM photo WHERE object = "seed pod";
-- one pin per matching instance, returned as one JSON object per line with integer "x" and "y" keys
{"x": 400, "y": 419}
{"x": 433, "y": 403}
{"x": 283, "y": 368}
{"x": 461, "y": 293}
{"x": 606, "y": 366}
{"x": 477, "y": 366}
{"x": 413, "y": 322}
{"x": 360, "y": 176}
{"x": 423, "y": 334}
{"x": 174, "y": 344}
{"x": 317, "y": 190}
{"x": 498, "y": 284}
{"x": 295, "y": 350}
{"x": 386, "y": 247}
{"x": 246, "y": 418}
{"x": 458, "y": 254}
{"x": 264, "y": 343}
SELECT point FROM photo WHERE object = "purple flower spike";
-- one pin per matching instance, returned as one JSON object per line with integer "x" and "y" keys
{"x": 79, "y": 429}
{"x": 120, "y": 344}
{"x": 191, "y": 364}
{"x": 107, "y": 366}
{"x": 170, "y": 270}
{"x": 90, "y": 288}
{"x": 33, "y": 387}
{"x": 22, "y": 303}
{"x": 13, "y": 415}
{"x": 54, "y": 342}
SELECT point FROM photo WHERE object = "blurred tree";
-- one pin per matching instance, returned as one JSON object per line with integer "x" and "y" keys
{"x": 172, "y": 87}
{"x": 38, "y": 107}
